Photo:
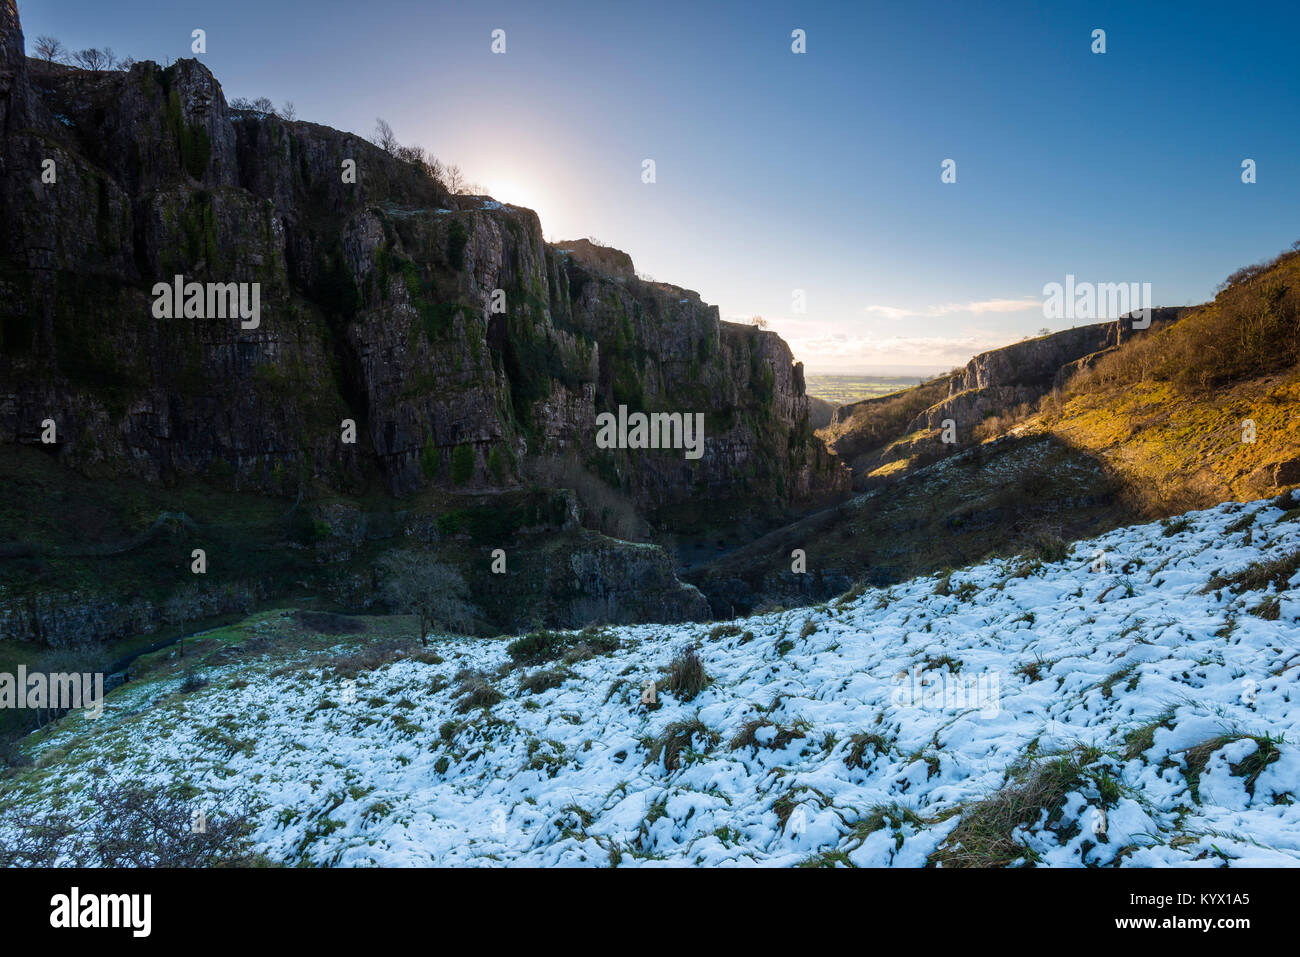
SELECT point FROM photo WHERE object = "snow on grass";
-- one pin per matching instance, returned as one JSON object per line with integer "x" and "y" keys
{"x": 1108, "y": 708}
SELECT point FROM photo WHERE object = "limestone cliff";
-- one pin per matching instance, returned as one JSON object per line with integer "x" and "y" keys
{"x": 376, "y": 305}
{"x": 461, "y": 345}
{"x": 997, "y": 381}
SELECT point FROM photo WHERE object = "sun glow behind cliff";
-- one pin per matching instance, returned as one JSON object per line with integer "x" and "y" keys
{"x": 520, "y": 191}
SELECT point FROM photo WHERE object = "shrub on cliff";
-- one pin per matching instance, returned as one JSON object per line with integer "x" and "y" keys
{"x": 462, "y": 464}
{"x": 430, "y": 460}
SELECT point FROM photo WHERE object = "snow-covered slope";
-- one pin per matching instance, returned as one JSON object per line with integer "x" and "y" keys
{"x": 1104, "y": 709}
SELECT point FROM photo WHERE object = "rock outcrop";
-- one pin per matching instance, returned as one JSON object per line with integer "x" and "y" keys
{"x": 15, "y": 90}
{"x": 997, "y": 381}
{"x": 444, "y": 326}
{"x": 606, "y": 259}
{"x": 408, "y": 341}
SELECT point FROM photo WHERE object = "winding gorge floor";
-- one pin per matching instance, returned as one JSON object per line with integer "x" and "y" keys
{"x": 1106, "y": 709}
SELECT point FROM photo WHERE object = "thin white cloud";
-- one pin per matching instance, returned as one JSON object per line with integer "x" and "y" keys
{"x": 997, "y": 305}
{"x": 890, "y": 312}
{"x": 978, "y": 307}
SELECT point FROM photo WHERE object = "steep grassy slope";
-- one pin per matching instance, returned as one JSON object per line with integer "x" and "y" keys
{"x": 1132, "y": 702}
{"x": 1201, "y": 410}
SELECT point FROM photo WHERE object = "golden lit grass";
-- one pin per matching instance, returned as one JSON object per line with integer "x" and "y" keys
{"x": 1176, "y": 451}
{"x": 890, "y": 468}
{"x": 1167, "y": 412}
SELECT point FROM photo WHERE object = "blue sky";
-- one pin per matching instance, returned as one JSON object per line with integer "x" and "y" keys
{"x": 818, "y": 171}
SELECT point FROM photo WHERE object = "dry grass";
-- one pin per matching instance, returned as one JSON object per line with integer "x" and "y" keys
{"x": 367, "y": 658}
{"x": 1250, "y": 767}
{"x": 679, "y": 738}
{"x": 986, "y": 834}
{"x": 475, "y": 691}
{"x": 1142, "y": 738}
{"x": 1249, "y": 330}
{"x": 996, "y": 425}
{"x": 893, "y": 816}
{"x": 865, "y": 748}
{"x": 1277, "y": 572}
{"x": 686, "y": 675}
{"x": 543, "y": 679}
{"x": 747, "y": 736}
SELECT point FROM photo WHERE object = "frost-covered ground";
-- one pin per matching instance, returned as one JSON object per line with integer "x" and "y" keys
{"x": 1151, "y": 722}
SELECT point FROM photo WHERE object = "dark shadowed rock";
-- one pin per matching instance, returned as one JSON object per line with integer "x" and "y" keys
{"x": 378, "y": 305}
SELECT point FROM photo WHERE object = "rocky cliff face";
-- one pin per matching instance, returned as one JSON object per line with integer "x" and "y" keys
{"x": 410, "y": 343}
{"x": 885, "y": 437}
{"x": 999, "y": 380}
{"x": 15, "y": 91}
{"x": 377, "y": 305}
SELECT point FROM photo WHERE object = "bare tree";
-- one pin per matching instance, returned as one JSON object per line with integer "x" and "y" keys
{"x": 410, "y": 154}
{"x": 289, "y": 111}
{"x": 448, "y": 176}
{"x": 435, "y": 593}
{"x": 434, "y": 169}
{"x": 758, "y": 322}
{"x": 453, "y": 179}
{"x": 263, "y": 104}
{"x": 77, "y": 659}
{"x": 49, "y": 49}
{"x": 94, "y": 59}
{"x": 384, "y": 137}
